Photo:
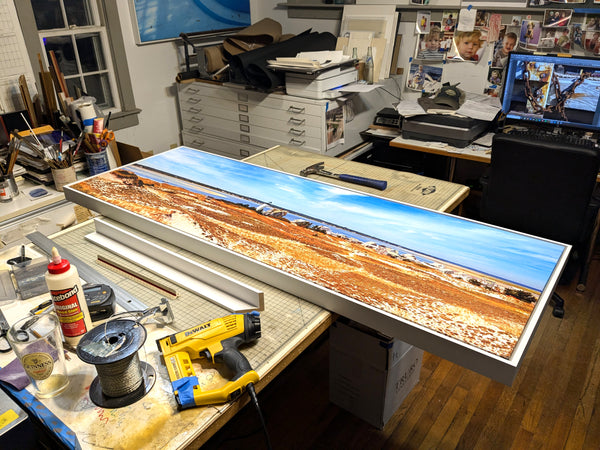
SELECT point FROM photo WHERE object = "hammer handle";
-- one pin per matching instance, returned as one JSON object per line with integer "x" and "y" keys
{"x": 377, "y": 184}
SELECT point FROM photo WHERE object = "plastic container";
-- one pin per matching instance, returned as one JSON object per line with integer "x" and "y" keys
{"x": 67, "y": 295}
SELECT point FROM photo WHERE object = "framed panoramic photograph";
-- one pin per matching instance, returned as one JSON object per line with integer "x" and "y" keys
{"x": 469, "y": 292}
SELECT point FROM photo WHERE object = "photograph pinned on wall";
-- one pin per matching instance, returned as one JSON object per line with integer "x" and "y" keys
{"x": 494, "y": 27}
{"x": 494, "y": 77}
{"x": 533, "y": 3}
{"x": 516, "y": 21}
{"x": 493, "y": 91}
{"x": 335, "y": 119}
{"x": 482, "y": 18}
{"x": 547, "y": 39}
{"x": 428, "y": 46}
{"x": 467, "y": 46}
{"x": 557, "y": 18}
{"x": 449, "y": 21}
{"x": 592, "y": 42}
{"x": 423, "y": 78}
{"x": 419, "y": 2}
{"x": 423, "y": 22}
{"x": 591, "y": 22}
{"x": 577, "y": 41}
{"x": 530, "y": 34}
{"x": 556, "y": 39}
{"x": 506, "y": 43}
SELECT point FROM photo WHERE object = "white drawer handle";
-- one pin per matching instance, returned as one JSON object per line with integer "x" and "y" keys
{"x": 296, "y": 142}
{"x": 197, "y": 142}
{"x": 295, "y": 109}
{"x": 244, "y": 152}
{"x": 196, "y": 129}
{"x": 192, "y": 90}
{"x": 196, "y": 119}
{"x": 193, "y": 110}
{"x": 296, "y": 121}
{"x": 194, "y": 100}
{"x": 297, "y": 132}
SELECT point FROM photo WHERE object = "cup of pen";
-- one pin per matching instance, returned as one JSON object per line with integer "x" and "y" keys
{"x": 37, "y": 342}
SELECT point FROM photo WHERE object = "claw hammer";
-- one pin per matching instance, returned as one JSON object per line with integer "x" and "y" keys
{"x": 318, "y": 169}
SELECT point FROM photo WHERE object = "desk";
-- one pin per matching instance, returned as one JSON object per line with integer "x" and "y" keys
{"x": 289, "y": 325}
{"x": 24, "y": 215}
{"x": 402, "y": 186}
{"x": 440, "y": 148}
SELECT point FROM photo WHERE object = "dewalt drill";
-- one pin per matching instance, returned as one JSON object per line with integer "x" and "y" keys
{"x": 218, "y": 340}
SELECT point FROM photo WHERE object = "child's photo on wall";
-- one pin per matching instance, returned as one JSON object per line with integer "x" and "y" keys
{"x": 429, "y": 45}
{"x": 467, "y": 46}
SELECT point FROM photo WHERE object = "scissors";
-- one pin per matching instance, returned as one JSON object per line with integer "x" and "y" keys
{"x": 21, "y": 335}
{"x": 106, "y": 137}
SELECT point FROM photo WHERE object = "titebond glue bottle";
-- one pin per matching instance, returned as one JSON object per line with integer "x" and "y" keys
{"x": 69, "y": 301}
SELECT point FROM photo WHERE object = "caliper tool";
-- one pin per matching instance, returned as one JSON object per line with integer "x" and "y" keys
{"x": 319, "y": 169}
{"x": 217, "y": 340}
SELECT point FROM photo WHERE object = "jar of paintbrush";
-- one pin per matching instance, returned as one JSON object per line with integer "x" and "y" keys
{"x": 61, "y": 163}
{"x": 8, "y": 185}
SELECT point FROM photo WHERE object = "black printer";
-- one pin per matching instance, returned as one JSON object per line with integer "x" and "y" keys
{"x": 455, "y": 130}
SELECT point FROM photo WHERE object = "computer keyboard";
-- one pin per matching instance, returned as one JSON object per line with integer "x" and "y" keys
{"x": 545, "y": 136}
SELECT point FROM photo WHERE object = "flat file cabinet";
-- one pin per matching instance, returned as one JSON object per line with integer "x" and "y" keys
{"x": 233, "y": 121}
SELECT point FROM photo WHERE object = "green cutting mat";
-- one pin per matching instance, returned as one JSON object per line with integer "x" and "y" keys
{"x": 284, "y": 315}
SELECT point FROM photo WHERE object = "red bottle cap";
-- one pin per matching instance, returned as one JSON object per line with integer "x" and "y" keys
{"x": 58, "y": 265}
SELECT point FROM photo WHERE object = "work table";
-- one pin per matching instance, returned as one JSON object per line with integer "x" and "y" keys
{"x": 289, "y": 324}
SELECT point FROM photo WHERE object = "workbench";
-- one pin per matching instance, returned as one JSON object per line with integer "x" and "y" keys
{"x": 289, "y": 324}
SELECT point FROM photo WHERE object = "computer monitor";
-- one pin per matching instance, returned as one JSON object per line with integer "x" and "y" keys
{"x": 552, "y": 90}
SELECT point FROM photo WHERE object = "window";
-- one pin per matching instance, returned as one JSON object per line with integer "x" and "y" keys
{"x": 86, "y": 39}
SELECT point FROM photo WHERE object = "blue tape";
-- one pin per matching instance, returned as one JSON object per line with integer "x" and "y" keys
{"x": 469, "y": 7}
{"x": 185, "y": 391}
{"x": 36, "y": 408}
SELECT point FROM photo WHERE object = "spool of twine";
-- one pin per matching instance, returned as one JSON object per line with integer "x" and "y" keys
{"x": 120, "y": 378}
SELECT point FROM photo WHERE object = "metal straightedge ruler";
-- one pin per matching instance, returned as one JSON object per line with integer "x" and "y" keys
{"x": 88, "y": 273}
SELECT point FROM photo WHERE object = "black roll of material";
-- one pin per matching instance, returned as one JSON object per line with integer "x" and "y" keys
{"x": 251, "y": 67}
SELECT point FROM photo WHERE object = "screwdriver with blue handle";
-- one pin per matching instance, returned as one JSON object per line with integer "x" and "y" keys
{"x": 319, "y": 169}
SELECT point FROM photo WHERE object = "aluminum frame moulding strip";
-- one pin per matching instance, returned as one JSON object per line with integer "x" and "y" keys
{"x": 268, "y": 183}
{"x": 218, "y": 288}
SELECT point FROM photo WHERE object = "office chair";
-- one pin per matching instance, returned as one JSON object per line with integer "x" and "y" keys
{"x": 545, "y": 187}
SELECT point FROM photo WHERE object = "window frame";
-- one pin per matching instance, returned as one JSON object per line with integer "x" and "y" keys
{"x": 127, "y": 116}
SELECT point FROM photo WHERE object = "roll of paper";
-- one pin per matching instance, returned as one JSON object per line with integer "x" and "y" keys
{"x": 87, "y": 114}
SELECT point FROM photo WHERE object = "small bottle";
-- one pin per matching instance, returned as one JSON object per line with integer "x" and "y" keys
{"x": 69, "y": 301}
{"x": 369, "y": 66}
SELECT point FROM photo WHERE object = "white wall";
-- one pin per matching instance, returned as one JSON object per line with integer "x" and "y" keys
{"x": 153, "y": 68}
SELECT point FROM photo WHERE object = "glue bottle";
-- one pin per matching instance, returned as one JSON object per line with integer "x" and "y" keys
{"x": 67, "y": 295}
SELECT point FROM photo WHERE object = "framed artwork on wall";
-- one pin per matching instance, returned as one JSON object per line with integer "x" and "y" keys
{"x": 162, "y": 20}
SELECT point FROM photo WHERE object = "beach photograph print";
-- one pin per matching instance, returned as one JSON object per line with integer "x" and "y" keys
{"x": 463, "y": 279}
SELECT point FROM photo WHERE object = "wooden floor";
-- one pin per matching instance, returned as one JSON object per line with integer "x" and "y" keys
{"x": 554, "y": 402}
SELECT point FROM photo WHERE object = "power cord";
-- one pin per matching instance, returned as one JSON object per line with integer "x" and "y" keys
{"x": 252, "y": 392}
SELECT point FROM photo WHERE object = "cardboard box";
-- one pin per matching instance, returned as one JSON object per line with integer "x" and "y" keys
{"x": 370, "y": 374}
{"x": 125, "y": 153}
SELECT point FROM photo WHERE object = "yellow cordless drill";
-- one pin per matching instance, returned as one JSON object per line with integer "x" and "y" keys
{"x": 217, "y": 340}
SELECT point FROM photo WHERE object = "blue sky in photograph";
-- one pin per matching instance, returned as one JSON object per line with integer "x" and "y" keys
{"x": 515, "y": 257}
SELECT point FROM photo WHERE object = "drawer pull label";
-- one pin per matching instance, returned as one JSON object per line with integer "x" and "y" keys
{"x": 244, "y": 118}
{"x": 242, "y": 97}
{"x": 243, "y": 108}
{"x": 244, "y": 138}
{"x": 244, "y": 128}
{"x": 244, "y": 153}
